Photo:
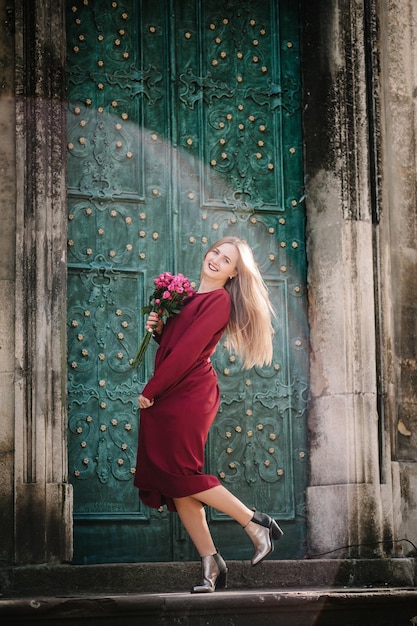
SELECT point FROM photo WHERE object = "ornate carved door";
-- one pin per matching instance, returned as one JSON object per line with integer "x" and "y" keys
{"x": 184, "y": 125}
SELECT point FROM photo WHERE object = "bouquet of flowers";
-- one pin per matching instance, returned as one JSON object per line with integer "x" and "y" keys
{"x": 168, "y": 297}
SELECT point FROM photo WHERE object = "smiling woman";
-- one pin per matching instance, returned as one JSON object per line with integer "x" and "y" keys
{"x": 183, "y": 395}
{"x": 249, "y": 330}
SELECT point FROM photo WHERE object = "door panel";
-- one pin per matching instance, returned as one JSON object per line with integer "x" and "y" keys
{"x": 237, "y": 102}
{"x": 119, "y": 237}
{"x": 183, "y": 126}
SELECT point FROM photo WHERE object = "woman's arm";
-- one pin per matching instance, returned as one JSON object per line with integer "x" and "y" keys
{"x": 210, "y": 320}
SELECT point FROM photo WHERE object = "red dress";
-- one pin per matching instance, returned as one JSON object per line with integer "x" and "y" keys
{"x": 173, "y": 431}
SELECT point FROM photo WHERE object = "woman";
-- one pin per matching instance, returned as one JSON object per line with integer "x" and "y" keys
{"x": 179, "y": 403}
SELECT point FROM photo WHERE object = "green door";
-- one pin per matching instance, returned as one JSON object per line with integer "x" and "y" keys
{"x": 184, "y": 125}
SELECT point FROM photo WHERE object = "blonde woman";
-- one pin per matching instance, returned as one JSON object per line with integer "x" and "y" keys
{"x": 179, "y": 403}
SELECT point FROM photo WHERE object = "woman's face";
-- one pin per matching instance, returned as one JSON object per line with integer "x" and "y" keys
{"x": 220, "y": 263}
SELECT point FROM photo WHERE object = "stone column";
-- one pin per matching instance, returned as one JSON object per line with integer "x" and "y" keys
{"x": 43, "y": 515}
{"x": 7, "y": 279}
{"x": 343, "y": 499}
{"x": 399, "y": 223}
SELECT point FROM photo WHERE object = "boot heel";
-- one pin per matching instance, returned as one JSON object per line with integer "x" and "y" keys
{"x": 276, "y": 530}
{"x": 213, "y": 574}
{"x": 262, "y": 530}
{"x": 221, "y": 582}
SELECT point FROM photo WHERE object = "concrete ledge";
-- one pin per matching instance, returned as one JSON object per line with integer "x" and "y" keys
{"x": 379, "y": 607}
{"x": 47, "y": 580}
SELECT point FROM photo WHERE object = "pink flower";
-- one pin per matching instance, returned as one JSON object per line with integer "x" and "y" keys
{"x": 169, "y": 295}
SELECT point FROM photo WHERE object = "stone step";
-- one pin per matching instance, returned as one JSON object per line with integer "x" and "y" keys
{"x": 119, "y": 578}
{"x": 373, "y": 592}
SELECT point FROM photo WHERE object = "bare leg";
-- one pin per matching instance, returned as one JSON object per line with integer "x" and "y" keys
{"x": 261, "y": 529}
{"x": 221, "y": 499}
{"x": 192, "y": 515}
{"x": 193, "y": 518}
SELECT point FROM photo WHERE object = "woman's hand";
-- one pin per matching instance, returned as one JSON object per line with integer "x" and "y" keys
{"x": 144, "y": 403}
{"x": 154, "y": 322}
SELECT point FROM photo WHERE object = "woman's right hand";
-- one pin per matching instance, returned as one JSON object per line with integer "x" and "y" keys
{"x": 144, "y": 403}
{"x": 154, "y": 322}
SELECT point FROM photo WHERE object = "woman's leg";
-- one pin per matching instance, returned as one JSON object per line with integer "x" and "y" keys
{"x": 221, "y": 499}
{"x": 261, "y": 529}
{"x": 193, "y": 518}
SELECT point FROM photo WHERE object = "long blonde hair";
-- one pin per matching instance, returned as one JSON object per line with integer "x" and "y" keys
{"x": 249, "y": 331}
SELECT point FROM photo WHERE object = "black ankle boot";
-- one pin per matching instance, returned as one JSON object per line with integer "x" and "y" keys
{"x": 213, "y": 574}
{"x": 262, "y": 531}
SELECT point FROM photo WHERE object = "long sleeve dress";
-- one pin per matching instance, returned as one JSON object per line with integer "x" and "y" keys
{"x": 184, "y": 387}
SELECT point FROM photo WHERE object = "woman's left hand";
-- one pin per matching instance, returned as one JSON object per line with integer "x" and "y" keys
{"x": 144, "y": 403}
{"x": 154, "y": 322}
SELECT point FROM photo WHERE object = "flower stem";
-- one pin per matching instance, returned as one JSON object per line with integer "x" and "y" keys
{"x": 140, "y": 354}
